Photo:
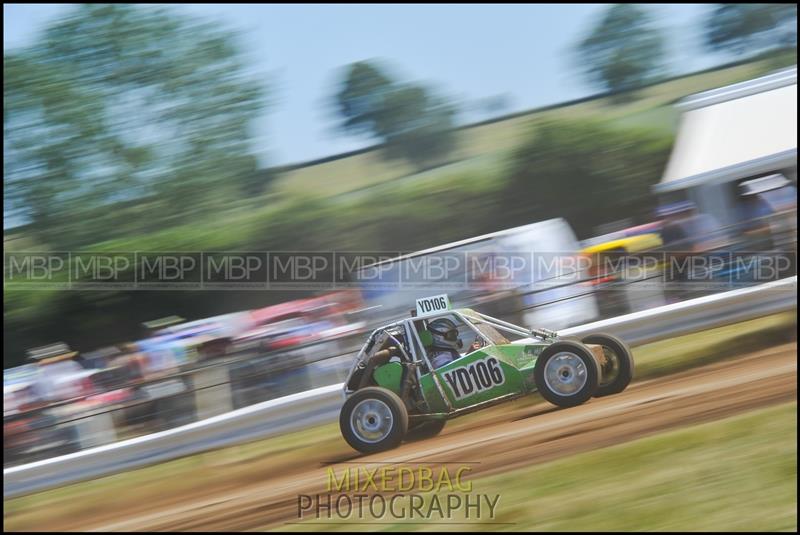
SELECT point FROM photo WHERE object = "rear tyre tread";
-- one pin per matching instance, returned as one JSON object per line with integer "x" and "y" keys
{"x": 625, "y": 359}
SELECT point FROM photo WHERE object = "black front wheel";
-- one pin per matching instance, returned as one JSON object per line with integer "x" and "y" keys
{"x": 566, "y": 373}
{"x": 373, "y": 419}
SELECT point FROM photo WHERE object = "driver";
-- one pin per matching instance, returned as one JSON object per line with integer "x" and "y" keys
{"x": 446, "y": 342}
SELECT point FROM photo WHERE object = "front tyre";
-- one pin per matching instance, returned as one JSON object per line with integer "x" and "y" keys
{"x": 617, "y": 371}
{"x": 373, "y": 419}
{"x": 566, "y": 373}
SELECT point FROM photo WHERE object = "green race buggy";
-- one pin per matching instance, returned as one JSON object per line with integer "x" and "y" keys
{"x": 393, "y": 393}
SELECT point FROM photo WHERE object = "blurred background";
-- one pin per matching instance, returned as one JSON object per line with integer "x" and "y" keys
{"x": 594, "y": 131}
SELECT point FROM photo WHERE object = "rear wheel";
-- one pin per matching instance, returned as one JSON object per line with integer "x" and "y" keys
{"x": 566, "y": 373}
{"x": 424, "y": 430}
{"x": 617, "y": 370}
{"x": 373, "y": 419}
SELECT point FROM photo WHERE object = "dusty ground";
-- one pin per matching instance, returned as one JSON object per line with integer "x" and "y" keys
{"x": 500, "y": 441}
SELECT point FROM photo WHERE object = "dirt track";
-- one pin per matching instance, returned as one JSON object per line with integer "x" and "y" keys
{"x": 513, "y": 438}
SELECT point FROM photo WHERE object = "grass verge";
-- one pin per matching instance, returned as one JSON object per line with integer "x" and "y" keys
{"x": 736, "y": 474}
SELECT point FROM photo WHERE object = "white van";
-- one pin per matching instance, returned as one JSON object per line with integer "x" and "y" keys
{"x": 530, "y": 273}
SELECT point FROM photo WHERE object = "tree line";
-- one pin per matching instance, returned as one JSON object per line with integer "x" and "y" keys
{"x": 151, "y": 112}
{"x": 122, "y": 121}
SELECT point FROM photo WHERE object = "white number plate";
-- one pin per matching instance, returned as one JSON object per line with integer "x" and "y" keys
{"x": 429, "y": 305}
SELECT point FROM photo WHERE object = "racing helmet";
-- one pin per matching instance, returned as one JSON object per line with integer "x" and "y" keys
{"x": 445, "y": 334}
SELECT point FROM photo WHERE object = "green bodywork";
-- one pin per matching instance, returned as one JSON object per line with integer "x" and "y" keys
{"x": 498, "y": 371}
{"x": 473, "y": 378}
{"x": 389, "y": 376}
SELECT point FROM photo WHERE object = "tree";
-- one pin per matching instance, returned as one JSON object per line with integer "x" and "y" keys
{"x": 739, "y": 28}
{"x": 412, "y": 122}
{"x": 622, "y": 52}
{"x": 125, "y": 105}
{"x": 586, "y": 172}
{"x": 361, "y": 99}
{"x": 418, "y": 126}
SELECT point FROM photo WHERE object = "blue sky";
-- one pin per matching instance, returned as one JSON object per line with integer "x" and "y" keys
{"x": 468, "y": 52}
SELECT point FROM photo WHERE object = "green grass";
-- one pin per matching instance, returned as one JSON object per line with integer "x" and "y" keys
{"x": 677, "y": 354}
{"x": 736, "y": 474}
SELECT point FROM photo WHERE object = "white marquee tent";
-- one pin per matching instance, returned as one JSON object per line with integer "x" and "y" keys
{"x": 730, "y": 134}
